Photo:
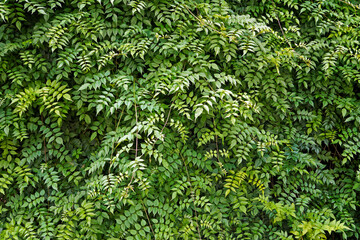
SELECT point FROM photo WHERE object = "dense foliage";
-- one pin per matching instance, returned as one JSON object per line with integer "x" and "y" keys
{"x": 160, "y": 119}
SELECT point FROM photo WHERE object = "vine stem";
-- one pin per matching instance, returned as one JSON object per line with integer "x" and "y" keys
{"x": 48, "y": 190}
{"x": 136, "y": 137}
{"x": 355, "y": 6}
{"x": 192, "y": 196}
{"x": 45, "y": 158}
{"x": 206, "y": 24}
{"x": 216, "y": 141}
{"x": 278, "y": 20}
{"x": 166, "y": 121}
{"x": 136, "y": 154}
{"x": 137, "y": 133}
{"x": 113, "y": 147}
{"x": 147, "y": 216}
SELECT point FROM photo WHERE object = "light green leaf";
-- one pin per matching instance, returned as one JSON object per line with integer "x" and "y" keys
{"x": 67, "y": 97}
{"x": 59, "y": 140}
{"x": 93, "y": 136}
{"x": 198, "y": 112}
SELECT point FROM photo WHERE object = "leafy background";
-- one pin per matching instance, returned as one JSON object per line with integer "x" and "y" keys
{"x": 207, "y": 119}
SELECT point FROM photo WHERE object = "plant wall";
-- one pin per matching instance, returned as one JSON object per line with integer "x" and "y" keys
{"x": 204, "y": 119}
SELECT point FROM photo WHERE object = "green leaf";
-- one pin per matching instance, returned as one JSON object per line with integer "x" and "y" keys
{"x": 18, "y": 25}
{"x": 343, "y": 111}
{"x": 93, "y": 136}
{"x": 6, "y": 130}
{"x": 84, "y": 86}
{"x": 59, "y": 140}
{"x": 227, "y": 192}
{"x": 87, "y": 119}
{"x": 198, "y": 112}
{"x": 243, "y": 209}
{"x": 54, "y": 186}
{"x": 67, "y": 97}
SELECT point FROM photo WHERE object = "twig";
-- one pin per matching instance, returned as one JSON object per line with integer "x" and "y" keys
{"x": 137, "y": 132}
{"x": 206, "y": 24}
{"x": 216, "y": 141}
{"x": 113, "y": 147}
{"x": 136, "y": 138}
{"x": 278, "y": 20}
{"x": 147, "y": 216}
{"x": 45, "y": 158}
{"x": 350, "y": 4}
{"x": 192, "y": 196}
{"x": 167, "y": 119}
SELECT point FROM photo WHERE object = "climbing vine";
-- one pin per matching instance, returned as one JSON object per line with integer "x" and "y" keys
{"x": 208, "y": 119}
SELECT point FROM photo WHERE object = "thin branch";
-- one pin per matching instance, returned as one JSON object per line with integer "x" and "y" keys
{"x": 216, "y": 141}
{"x": 166, "y": 122}
{"x": 147, "y": 216}
{"x": 278, "y": 20}
{"x": 137, "y": 132}
{"x": 113, "y": 146}
{"x": 136, "y": 138}
{"x": 192, "y": 196}
{"x": 45, "y": 158}
{"x": 355, "y": 6}
{"x": 167, "y": 119}
{"x": 206, "y": 24}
